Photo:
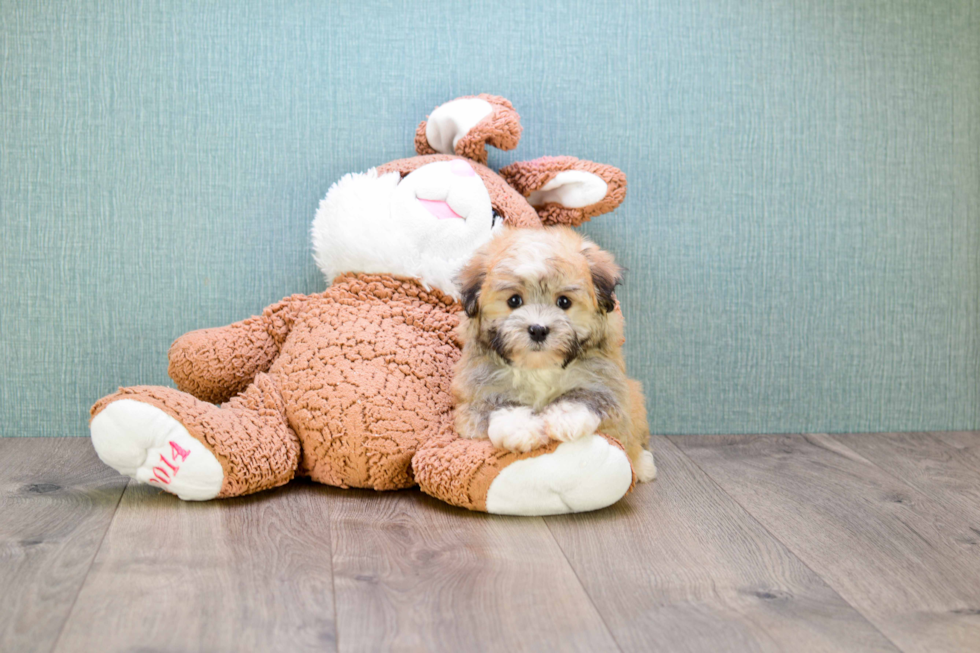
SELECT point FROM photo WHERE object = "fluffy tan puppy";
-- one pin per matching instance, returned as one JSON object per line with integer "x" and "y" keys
{"x": 542, "y": 355}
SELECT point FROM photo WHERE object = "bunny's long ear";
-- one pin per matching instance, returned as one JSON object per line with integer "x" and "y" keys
{"x": 565, "y": 190}
{"x": 466, "y": 125}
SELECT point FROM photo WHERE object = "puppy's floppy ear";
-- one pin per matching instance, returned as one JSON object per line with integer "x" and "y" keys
{"x": 466, "y": 125}
{"x": 470, "y": 281}
{"x": 606, "y": 275}
{"x": 565, "y": 190}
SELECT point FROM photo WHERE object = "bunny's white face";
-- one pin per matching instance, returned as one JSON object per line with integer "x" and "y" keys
{"x": 425, "y": 225}
{"x": 445, "y": 207}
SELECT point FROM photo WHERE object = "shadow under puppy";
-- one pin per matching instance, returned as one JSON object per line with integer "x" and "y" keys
{"x": 542, "y": 356}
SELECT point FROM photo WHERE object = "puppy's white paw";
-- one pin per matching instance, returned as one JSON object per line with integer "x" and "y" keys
{"x": 516, "y": 429}
{"x": 145, "y": 443}
{"x": 569, "y": 420}
{"x": 646, "y": 470}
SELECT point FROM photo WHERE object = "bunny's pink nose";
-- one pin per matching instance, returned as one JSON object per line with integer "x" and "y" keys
{"x": 461, "y": 168}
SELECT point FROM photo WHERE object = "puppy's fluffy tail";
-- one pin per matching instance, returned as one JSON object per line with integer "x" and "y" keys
{"x": 640, "y": 431}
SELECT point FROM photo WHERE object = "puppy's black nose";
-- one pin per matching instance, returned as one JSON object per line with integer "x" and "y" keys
{"x": 538, "y": 332}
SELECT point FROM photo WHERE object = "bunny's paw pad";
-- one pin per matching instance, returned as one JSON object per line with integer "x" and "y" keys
{"x": 143, "y": 442}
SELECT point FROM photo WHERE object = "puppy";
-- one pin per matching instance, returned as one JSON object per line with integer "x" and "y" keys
{"x": 542, "y": 355}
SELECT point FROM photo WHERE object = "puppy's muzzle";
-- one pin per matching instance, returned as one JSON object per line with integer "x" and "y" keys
{"x": 538, "y": 332}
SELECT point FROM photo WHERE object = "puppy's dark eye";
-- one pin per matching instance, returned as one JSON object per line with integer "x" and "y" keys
{"x": 497, "y": 217}
{"x": 564, "y": 303}
{"x": 515, "y": 301}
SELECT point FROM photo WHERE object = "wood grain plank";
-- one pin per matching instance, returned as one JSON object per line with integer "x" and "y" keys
{"x": 898, "y": 556}
{"x": 966, "y": 444}
{"x": 415, "y": 574}
{"x": 679, "y": 566}
{"x": 56, "y": 502}
{"x": 247, "y": 574}
{"x": 927, "y": 463}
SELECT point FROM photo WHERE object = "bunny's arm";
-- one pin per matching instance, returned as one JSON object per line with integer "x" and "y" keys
{"x": 216, "y": 364}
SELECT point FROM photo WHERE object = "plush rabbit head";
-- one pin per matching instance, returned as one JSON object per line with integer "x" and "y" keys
{"x": 424, "y": 216}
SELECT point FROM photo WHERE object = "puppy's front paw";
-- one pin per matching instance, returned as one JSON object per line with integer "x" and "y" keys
{"x": 569, "y": 420}
{"x": 516, "y": 429}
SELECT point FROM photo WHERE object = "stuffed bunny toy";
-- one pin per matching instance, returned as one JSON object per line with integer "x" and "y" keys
{"x": 351, "y": 387}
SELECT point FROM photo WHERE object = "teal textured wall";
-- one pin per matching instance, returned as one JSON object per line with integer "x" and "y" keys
{"x": 802, "y": 227}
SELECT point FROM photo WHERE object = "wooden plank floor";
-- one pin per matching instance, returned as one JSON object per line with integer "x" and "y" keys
{"x": 745, "y": 543}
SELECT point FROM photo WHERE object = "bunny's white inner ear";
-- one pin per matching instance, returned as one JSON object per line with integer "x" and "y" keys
{"x": 573, "y": 189}
{"x": 453, "y": 120}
